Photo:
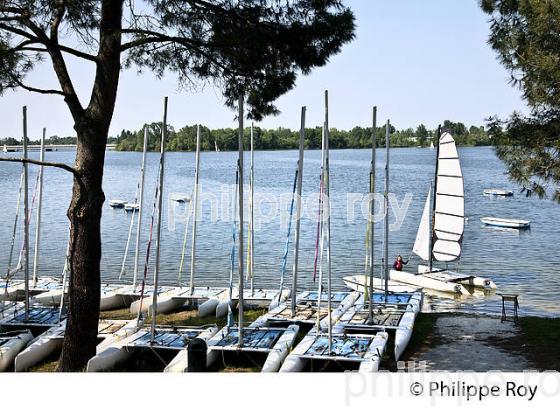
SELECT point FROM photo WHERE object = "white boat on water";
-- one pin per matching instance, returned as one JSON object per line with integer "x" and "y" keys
{"x": 117, "y": 203}
{"x": 442, "y": 241}
{"x": 506, "y": 223}
{"x": 497, "y": 192}
{"x": 131, "y": 207}
{"x": 11, "y": 343}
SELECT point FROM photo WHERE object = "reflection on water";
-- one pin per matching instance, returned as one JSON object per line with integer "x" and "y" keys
{"x": 524, "y": 262}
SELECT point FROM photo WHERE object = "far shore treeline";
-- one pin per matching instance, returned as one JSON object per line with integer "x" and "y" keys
{"x": 225, "y": 139}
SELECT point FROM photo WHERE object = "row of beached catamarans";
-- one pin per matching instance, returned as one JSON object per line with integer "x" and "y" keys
{"x": 357, "y": 329}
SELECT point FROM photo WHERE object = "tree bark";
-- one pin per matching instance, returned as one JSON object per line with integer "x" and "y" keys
{"x": 84, "y": 213}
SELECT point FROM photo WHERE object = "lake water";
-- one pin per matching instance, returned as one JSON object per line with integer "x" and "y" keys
{"x": 523, "y": 262}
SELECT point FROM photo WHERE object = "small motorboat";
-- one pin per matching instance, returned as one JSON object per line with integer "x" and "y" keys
{"x": 506, "y": 223}
{"x": 497, "y": 192}
{"x": 131, "y": 207}
{"x": 180, "y": 197}
{"x": 117, "y": 203}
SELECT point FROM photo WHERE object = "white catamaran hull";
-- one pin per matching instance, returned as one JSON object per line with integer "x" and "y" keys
{"x": 426, "y": 282}
{"x": 280, "y": 350}
{"x": 41, "y": 348}
{"x": 356, "y": 282}
{"x": 475, "y": 281}
{"x": 10, "y": 345}
{"x": 403, "y": 334}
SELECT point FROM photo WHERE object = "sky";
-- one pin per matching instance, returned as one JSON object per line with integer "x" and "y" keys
{"x": 418, "y": 61}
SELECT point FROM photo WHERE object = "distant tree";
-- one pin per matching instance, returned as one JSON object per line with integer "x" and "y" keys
{"x": 255, "y": 47}
{"x": 525, "y": 34}
{"x": 422, "y": 135}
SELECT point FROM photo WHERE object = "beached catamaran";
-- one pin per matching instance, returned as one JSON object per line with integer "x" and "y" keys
{"x": 267, "y": 346}
{"x": 15, "y": 289}
{"x": 388, "y": 311}
{"x": 168, "y": 342}
{"x": 441, "y": 229}
{"x": 255, "y": 297}
{"x": 21, "y": 320}
{"x": 207, "y": 299}
{"x": 324, "y": 346}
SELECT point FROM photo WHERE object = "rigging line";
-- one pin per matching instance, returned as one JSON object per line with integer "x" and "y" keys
{"x": 148, "y": 248}
{"x": 14, "y": 231}
{"x": 185, "y": 239}
{"x": 230, "y": 319}
{"x": 319, "y": 224}
{"x": 288, "y": 235}
{"x": 27, "y": 222}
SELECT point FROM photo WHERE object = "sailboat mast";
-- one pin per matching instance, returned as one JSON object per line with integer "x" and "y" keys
{"x": 195, "y": 211}
{"x": 140, "y": 209}
{"x": 372, "y": 210}
{"x": 240, "y": 199}
{"x": 39, "y": 208}
{"x": 25, "y": 213}
{"x": 434, "y": 198}
{"x": 298, "y": 211}
{"x": 160, "y": 211}
{"x": 252, "y": 221}
{"x": 386, "y": 209}
{"x": 328, "y": 208}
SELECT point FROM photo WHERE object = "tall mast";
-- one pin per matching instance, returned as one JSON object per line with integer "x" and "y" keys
{"x": 26, "y": 213}
{"x": 252, "y": 218}
{"x": 195, "y": 211}
{"x": 140, "y": 208}
{"x": 298, "y": 211}
{"x": 160, "y": 211}
{"x": 434, "y": 198}
{"x": 372, "y": 211}
{"x": 240, "y": 194}
{"x": 320, "y": 230}
{"x": 39, "y": 207}
{"x": 328, "y": 213}
{"x": 386, "y": 209}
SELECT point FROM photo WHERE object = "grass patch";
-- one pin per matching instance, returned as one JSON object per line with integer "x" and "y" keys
{"x": 48, "y": 366}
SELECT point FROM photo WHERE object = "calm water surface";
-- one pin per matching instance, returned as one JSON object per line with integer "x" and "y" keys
{"x": 526, "y": 262}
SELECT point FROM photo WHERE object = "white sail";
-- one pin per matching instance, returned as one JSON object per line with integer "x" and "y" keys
{"x": 449, "y": 217}
{"x": 422, "y": 243}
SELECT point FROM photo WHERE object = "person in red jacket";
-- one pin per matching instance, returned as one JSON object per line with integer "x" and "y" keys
{"x": 399, "y": 263}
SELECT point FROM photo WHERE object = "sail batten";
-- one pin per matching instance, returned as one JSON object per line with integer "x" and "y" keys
{"x": 449, "y": 212}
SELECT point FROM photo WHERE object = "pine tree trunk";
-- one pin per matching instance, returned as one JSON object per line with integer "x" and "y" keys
{"x": 84, "y": 214}
{"x": 80, "y": 339}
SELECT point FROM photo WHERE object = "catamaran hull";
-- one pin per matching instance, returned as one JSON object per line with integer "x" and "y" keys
{"x": 403, "y": 334}
{"x": 37, "y": 351}
{"x": 372, "y": 359}
{"x": 10, "y": 349}
{"x": 356, "y": 282}
{"x": 427, "y": 283}
{"x": 477, "y": 282}
{"x": 280, "y": 350}
{"x": 50, "y": 298}
{"x": 165, "y": 304}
